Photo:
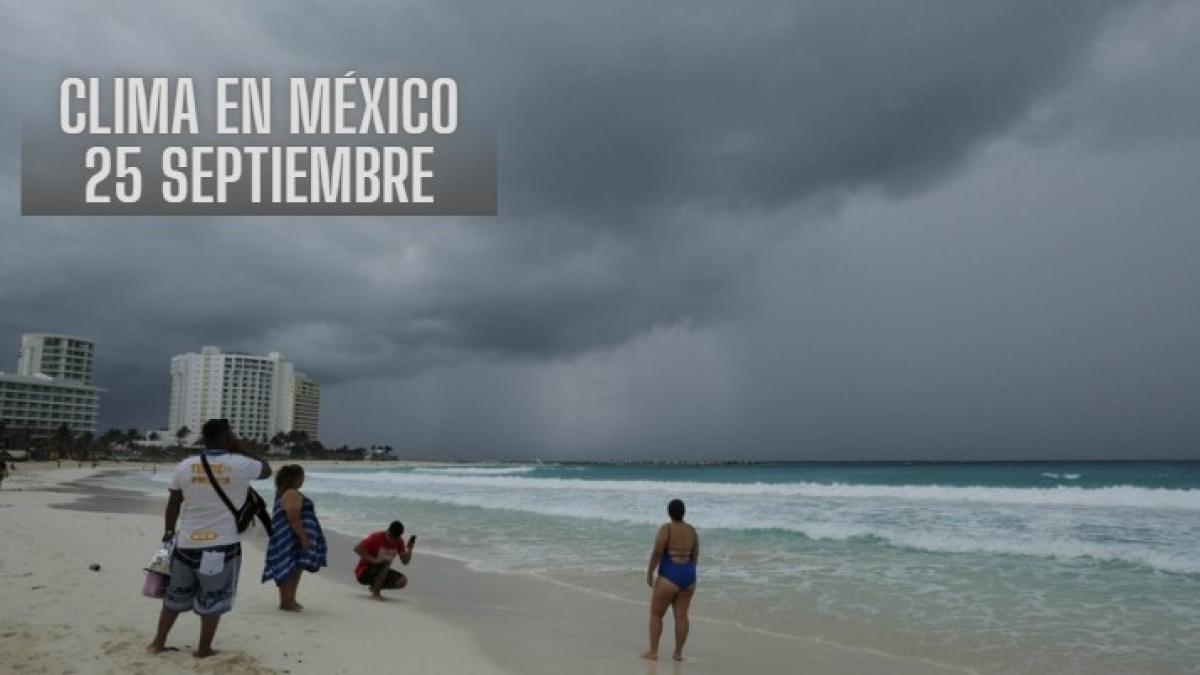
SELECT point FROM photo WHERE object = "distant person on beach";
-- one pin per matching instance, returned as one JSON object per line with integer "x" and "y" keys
{"x": 3, "y": 471}
{"x": 208, "y": 550}
{"x": 297, "y": 543}
{"x": 375, "y": 555}
{"x": 675, "y": 554}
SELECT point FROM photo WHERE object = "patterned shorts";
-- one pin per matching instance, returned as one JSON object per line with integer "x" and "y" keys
{"x": 204, "y": 579}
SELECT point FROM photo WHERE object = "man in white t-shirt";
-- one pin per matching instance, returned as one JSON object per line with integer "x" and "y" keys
{"x": 208, "y": 552}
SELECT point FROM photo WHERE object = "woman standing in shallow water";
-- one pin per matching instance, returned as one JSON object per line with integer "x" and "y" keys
{"x": 297, "y": 543}
{"x": 675, "y": 554}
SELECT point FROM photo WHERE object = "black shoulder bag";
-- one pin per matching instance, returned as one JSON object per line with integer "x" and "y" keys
{"x": 254, "y": 506}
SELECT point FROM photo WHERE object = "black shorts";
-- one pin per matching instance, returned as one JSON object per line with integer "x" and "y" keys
{"x": 394, "y": 578}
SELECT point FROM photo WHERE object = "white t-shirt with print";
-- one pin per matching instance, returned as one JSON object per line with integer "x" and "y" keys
{"x": 205, "y": 520}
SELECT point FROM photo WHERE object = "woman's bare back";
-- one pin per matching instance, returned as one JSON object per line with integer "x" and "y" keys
{"x": 681, "y": 541}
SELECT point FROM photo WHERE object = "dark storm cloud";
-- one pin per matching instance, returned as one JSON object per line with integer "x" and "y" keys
{"x": 1140, "y": 86}
{"x": 652, "y": 155}
{"x": 629, "y": 107}
{"x": 1040, "y": 306}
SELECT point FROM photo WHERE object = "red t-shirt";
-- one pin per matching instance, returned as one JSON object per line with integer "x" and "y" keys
{"x": 377, "y": 544}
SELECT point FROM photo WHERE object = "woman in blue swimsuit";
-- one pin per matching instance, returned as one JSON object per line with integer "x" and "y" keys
{"x": 676, "y": 552}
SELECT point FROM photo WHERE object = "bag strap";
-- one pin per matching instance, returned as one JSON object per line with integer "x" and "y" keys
{"x": 217, "y": 486}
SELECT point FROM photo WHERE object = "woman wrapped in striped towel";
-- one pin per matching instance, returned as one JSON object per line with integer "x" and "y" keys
{"x": 297, "y": 543}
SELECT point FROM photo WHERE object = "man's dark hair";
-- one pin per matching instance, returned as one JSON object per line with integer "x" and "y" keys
{"x": 396, "y": 529}
{"x": 675, "y": 509}
{"x": 215, "y": 433}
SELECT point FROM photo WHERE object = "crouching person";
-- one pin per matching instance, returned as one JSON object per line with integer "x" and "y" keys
{"x": 375, "y": 555}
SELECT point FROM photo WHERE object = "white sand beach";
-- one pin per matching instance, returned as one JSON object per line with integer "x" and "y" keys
{"x": 57, "y": 616}
{"x": 60, "y": 617}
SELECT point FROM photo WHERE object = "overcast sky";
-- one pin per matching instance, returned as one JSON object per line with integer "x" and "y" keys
{"x": 793, "y": 230}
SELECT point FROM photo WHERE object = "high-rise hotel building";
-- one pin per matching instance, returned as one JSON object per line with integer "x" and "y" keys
{"x": 306, "y": 405}
{"x": 61, "y": 357}
{"x": 52, "y": 386}
{"x": 256, "y": 393}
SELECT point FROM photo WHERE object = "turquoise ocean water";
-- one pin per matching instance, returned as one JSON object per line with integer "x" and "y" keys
{"x": 999, "y": 567}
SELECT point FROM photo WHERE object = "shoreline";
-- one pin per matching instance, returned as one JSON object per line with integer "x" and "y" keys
{"x": 511, "y": 622}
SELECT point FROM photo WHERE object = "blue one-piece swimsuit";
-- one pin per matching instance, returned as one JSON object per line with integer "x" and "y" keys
{"x": 681, "y": 574}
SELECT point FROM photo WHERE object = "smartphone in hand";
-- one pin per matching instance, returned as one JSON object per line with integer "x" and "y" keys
{"x": 412, "y": 540}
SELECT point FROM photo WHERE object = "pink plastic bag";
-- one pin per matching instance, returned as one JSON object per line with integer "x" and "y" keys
{"x": 158, "y": 572}
{"x": 155, "y": 585}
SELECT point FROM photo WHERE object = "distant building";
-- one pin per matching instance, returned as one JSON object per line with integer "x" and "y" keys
{"x": 164, "y": 438}
{"x": 256, "y": 393}
{"x": 306, "y": 405}
{"x": 52, "y": 386}
{"x": 62, "y": 357}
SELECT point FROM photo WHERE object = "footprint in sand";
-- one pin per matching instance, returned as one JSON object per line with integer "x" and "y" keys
{"x": 115, "y": 646}
{"x": 235, "y": 663}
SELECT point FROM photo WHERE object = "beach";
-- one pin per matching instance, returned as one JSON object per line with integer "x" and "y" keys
{"x": 61, "y": 617}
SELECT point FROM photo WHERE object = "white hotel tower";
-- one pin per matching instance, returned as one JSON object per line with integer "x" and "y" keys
{"x": 255, "y": 393}
{"x": 61, "y": 357}
{"x": 52, "y": 386}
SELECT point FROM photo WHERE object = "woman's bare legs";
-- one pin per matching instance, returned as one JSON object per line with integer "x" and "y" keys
{"x": 681, "y": 604}
{"x": 660, "y": 598}
{"x": 287, "y": 591}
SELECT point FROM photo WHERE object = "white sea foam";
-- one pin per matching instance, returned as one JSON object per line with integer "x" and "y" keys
{"x": 1046, "y": 547}
{"x": 1105, "y": 524}
{"x": 476, "y": 470}
{"x": 1117, "y": 497}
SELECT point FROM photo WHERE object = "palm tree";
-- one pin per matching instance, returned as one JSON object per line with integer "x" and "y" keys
{"x": 111, "y": 438}
{"x": 84, "y": 445}
{"x": 181, "y": 434}
{"x": 62, "y": 439}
